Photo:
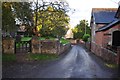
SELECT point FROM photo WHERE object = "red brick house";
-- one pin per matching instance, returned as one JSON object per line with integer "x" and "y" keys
{"x": 105, "y": 31}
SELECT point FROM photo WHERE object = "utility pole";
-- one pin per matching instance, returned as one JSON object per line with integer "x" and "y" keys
{"x": 36, "y": 14}
{"x": 85, "y": 26}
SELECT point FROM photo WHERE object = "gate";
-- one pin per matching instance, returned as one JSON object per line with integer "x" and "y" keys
{"x": 22, "y": 46}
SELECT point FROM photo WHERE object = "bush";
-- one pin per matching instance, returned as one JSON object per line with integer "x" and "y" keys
{"x": 85, "y": 37}
{"x": 64, "y": 41}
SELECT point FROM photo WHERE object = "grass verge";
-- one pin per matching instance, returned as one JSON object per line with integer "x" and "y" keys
{"x": 8, "y": 57}
{"x": 111, "y": 65}
{"x": 41, "y": 57}
{"x": 29, "y": 57}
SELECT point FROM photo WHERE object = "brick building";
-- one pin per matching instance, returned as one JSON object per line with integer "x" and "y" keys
{"x": 105, "y": 30}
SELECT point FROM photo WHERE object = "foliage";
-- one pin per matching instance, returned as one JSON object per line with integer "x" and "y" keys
{"x": 14, "y": 12}
{"x": 111, "y": 65}
{"x": 8, "y": 20}
{"x": 64, "y": 41}
{"x": 59, "y": 31}
{"x": 45, "y": 17}
{"x": 81, "y": 29}
{"x": 23, "y": 12}
{"x": 85, "y": 37}
{"x": 26, "y": 38}
{"x": 50, "y": 17}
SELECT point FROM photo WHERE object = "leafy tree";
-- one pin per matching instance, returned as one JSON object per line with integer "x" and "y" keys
{"x": 81, "y": 29}
{"x": 8, "y": 20}
{"x": 49, "y": 16}
{"x": 16, "y": 10}
{"x": 23, "y": 12}
{"x": 43, "y": 16}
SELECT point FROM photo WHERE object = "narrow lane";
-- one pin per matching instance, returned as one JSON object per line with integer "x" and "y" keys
{"x": 76, "y": 64}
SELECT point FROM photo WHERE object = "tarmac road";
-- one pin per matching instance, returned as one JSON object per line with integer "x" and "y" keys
{"x": 77, "y": 63}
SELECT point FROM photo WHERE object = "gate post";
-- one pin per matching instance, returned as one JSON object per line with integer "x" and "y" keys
{"x": 8, "y": 45}
{"x": 118, "y": 53}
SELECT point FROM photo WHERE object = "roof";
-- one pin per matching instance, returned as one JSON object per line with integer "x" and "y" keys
{"x": 104, "y": 15}
{"x": 117, "y": 15}
{"x": 108, "y": 26}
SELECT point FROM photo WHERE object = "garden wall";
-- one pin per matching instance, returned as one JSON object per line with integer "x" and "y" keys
{"x": 37, "y": 46}
{"x": 88, "y": 45}
{"x": 48, "y": 46}
{"x": 104, "y": 53}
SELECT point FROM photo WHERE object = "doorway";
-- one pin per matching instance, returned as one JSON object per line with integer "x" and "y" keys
{"x": 116, "y": 38}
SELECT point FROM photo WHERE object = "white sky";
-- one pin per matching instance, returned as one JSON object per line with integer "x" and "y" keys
{"x": 83, "y": 8}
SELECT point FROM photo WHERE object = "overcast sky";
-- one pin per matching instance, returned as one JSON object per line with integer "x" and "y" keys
{"x": 83, "y": 8}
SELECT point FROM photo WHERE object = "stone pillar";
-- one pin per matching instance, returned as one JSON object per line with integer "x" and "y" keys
{"x": 8, "y": 46}
{"x": 118, "y": 53}
{"x": 35, "y": 45}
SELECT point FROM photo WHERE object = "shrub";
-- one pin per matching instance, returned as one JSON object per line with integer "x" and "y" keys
{"x": 85, "y": 37}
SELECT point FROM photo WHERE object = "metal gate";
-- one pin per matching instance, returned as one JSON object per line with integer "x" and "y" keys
{"x": 22, "y": 46}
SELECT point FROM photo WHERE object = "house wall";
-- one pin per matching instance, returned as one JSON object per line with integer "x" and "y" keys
{"x": 107, "y": 35}
{"x": 99, "y": 38}
{"x": 104, "y": 38}
{"x": 96, "y": 37}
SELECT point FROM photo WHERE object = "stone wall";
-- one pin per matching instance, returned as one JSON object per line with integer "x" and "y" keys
{"x": 48, "y": 46}
{"x": 63, "y": 48}
{"x": 104, "y": 53}
{"x": 88, "y": 45}
{"x": 37, "y": 46}
{"x": 8, "y": 46}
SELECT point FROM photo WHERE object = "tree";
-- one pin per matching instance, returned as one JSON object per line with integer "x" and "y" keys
{"x": 43, "y": 16}
{"x": 50, "y": 15}
{"x": 16, "y": 10}
{"x": 81, "y": 29}
{"x": 8, "y": 20}
{"x": 23, "y": 12}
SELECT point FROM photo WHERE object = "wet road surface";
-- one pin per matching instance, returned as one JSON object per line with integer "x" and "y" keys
{"x": 76, "y": 64}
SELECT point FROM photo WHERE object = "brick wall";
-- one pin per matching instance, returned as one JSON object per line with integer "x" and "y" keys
{"x": 99, "y": 38}
{"x": 104, "y": 38}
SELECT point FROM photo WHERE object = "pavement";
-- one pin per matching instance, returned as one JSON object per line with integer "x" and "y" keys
{"x": 77, "y": 63}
